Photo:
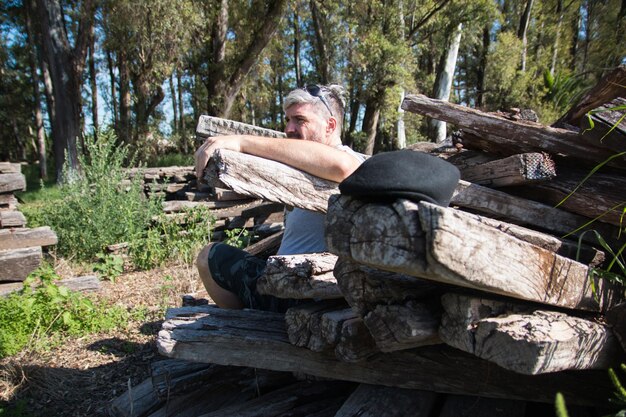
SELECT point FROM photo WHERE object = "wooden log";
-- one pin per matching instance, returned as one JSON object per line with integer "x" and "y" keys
{"x": 268, "y": 180}
{"x": 138, "y": 401}
{"x": 493, "y": 133}
{"x": 303, "y": 324}
{"x": 16, "y": 264}
{"x": 256, "y": 208}
{"x": 364, "y": 288}
{"x": 7, "y": 288}
{"x": 85, "y": 283}
{"x": 300, "y": 276}
{"x": 222, "y": 194}
{"x": 12, "y": 219}
{"x": 608, "y": 88}
{"x": 356, "y": 344}
{"x": 12, "y": 182}
{"x": 600, "y": 196}
{"x": 24, "y": 238}
{"x": 514, "y": 170}
{"x": 404, "y": 326}
{"x": 428, "y": 244}
{"x": 529, "y": 213}
{"x": 532, "y": 342}
{"x": 465, "y": 406}
{"x": 267, "y": 246}
{"x": 607, "y": 128}
{"x": 168, "y": 174}
{"x": 376, "y": 401}
{"x": 215, "y": 126}
{"x": 10, "y": 168}
{"x": 259, "y": 338}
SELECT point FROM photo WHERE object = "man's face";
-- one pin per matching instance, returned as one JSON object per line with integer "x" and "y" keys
{"x": 304, "y": 122}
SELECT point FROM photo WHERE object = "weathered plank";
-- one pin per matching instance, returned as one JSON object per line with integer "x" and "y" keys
{"x": 8, "y": 202}
{"x": 300, "y": 276}
{"x": 259, "y": 339}
{"x": 377, "y": 401}
{"x": 10, "y": 168}
{"x": 84, "y": 283}
{"x": 12, "y": 182}
{"x": 404, "y": 326}
{"x": 215, "y": 126}
{"x": 7, "y": 288}
{"x": 12, "y": 218}
{"x": 16, "y": 264}
{"x": 450, "y": 246}
{"x": 364, "y": 288}
{"x": 24, "y": 238}
{"x": 169, "y": 174}
{"x": 514, "y": 170}
{"x": 176, "y": 206}
{"x": 138, "y": 401}
{"x": 512, "y": 209}
{"x": 266, "y": 247}
{"x": 221, "y": 194}
{"x": 268, "y": 180}
{"x": 304, "y": 324}
{"x": 531, "y": 342}
{"x": 494, "y": 133}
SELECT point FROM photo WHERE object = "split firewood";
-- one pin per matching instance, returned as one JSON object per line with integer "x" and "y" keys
{"x": 12, "y": 219}
{"x": 259, "y": 339}
{"x": 426, "y": 243}
{"x": 526, "y": 340}
{"x": 17, "y": 264}
{"x": 376, "y": 401}
{"x": 300, "y": 276}
{"x": 215, "y": 126}
{"x": 24, "y": 238}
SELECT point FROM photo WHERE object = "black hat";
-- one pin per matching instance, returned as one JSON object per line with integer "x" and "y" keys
{"x": 403, "y": 174}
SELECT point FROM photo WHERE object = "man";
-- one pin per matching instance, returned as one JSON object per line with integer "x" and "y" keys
{"x": 314, "y": 116}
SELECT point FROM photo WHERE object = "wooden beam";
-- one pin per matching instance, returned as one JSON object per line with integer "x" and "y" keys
{"x": 514, "y": 170}
{"x": 12, "y": 182}
{"x": 176, "y": 206}
{"x": 10, "y": 168}
{"x": 8, "y": 202}
{"x": 268, "y": 180}
{"x": 449, "y": 246}
{"x": 266, "y": 247}
{"x": 532, "y": 342}
{"x": 259, "y": 339}
{"x": 491, "y": 132}
{"x": 16, "y": 264}
{"x": 215, "y": 126}
{"x": 300, "y": 276}
{"x": 12, "y": 219}
{"x": 24, "y": 238}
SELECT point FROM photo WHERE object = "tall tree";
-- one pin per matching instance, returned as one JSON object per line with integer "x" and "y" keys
{"x": 523, "y": 31}
{"x": 66, "y": 64}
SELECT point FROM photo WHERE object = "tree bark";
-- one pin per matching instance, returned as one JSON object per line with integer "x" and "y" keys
{"x": 111, "y": 65}
{"x": 66, "y": 65}
{"x": 557, "y": 35}
{"x": 181, "y": 112}
{"x": 93, "y": 84}
{"x": 296, "y": 47}
{"x": 482, "y": 67}
{"x": 370, "y": 122}
{"x": 323, "y": 61}
{"x": 124, "y": 125}
{"x": 174, "y": 104}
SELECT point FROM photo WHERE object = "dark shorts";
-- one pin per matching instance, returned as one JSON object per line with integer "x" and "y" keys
{"x": 237, "y": 271}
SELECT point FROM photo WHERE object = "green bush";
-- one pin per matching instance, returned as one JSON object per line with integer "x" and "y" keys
{"x": 36, "y": 314}
{"x": 95, "y": 209}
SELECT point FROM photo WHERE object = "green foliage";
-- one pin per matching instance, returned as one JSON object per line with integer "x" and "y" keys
{"x": 38, "y": 315}
{"x": 169, "y": 239}
{"x": 619, "y": 395}
{"x": 170, "y": 159}
{"x": 563, "y": 90}
{"x": 109, "y": 266}
{"x": 559, "y": 405}
{"x": 95, "y": 210}
{"x": 238, "y": 238}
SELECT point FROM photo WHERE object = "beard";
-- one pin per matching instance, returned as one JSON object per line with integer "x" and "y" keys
{"x": 294, "y": 135}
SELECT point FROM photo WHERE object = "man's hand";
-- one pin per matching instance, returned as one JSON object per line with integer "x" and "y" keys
{"x": 204, "y": 152}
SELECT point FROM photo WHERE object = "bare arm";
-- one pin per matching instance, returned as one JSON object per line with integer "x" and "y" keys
{"x": 312, "y": 157}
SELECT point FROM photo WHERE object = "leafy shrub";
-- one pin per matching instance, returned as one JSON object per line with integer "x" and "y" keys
{"x": 95, "y": 210}
{"x": 109, "y": 266}
{"x": 37, "y": 313}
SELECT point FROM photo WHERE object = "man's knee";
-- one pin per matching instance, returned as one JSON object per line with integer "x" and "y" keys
{"x": 202, "y": 261}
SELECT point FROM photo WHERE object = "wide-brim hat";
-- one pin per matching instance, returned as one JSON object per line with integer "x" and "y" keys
{"x": 406, "y": 174}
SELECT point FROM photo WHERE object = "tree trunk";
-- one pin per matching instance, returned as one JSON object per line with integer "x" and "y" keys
{"x": 181, "y": 112}
{"x": 41, "y": 134}
{"x": 557, "y": 34}
{"x": 522, "y": 31}
{"x": 66, "y": 66}
{"x": 174, "y": 104}
{"x": 444, "y": 81}
{"x": 370, "y": 123}
{"x": 124, "y": 126}
{"x": 111, "y": 65}
{"x": 93, "y": 84}
{"x": 588, "y": 34}
{"x": 400, "y": 132}
{"x": 575, "y": 35}
{"x": 482, "y": 67}
{"x": 296, "y": 47}
{"x": 323, "y": 63}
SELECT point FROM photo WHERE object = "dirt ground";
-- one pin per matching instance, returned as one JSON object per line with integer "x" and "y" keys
{"x": 82, "y": 376}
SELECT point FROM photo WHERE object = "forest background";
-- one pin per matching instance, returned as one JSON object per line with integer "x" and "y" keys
{"x": 148, "y": 69}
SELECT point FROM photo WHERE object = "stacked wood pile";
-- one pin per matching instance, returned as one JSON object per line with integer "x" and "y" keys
{"x": 482, "y": 303}
{"x": 20, "y": 247}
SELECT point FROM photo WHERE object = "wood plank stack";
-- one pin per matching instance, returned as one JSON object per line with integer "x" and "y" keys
{"x": 484, "y": 298}
{"x": 20, "y": 247}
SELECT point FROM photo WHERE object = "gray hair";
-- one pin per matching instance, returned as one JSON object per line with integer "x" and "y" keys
{"x": 333, "y": 94}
